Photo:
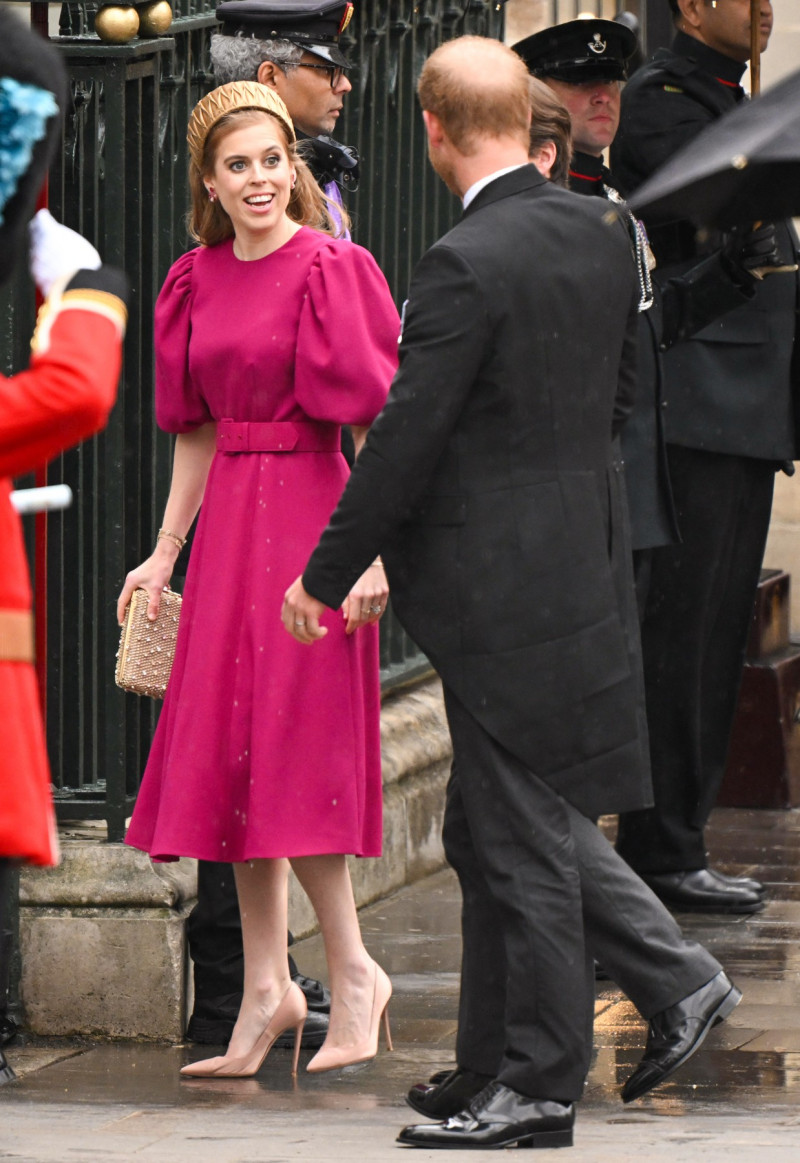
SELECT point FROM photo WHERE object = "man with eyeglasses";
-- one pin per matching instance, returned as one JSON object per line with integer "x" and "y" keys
{"x": 293, "y": 47}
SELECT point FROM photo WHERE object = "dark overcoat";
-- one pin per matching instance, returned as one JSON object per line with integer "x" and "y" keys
{"x": 486, "y": 484}
{"x": 733, "y": 387}
{"x": 683, "y": 304}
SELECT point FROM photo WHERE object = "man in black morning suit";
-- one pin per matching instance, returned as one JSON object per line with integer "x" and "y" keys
{"x": 730, "y": 422}
{"x": 484, "y": 482}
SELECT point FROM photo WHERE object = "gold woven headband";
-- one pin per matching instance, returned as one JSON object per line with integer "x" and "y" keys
{"x": 230, "y": 99}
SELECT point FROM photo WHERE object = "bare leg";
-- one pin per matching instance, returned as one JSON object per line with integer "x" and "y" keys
{"x": 262, "y": 888}
{"x": 326, "y": 880}
{"x": 271, "y": 1002}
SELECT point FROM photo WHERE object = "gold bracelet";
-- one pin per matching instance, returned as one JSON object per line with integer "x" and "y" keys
{"x": 173, "y": 537}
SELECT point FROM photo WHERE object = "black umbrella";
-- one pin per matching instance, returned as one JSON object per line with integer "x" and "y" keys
{"x": 742, "y": 169}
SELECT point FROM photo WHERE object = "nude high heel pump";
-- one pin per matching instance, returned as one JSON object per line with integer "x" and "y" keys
{"x": 335, "y": 1057}
{"x": 290, "y": 1014}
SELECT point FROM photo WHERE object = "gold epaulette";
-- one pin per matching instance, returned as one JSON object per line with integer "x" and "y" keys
{"x": 77, "y": 299}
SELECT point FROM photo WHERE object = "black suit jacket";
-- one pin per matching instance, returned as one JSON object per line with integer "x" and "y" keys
{"x": 731, "y": 388}
{"x": 485, "y": 483}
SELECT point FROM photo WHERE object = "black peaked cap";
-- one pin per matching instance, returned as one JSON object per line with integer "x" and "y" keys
{"x": 314, "y": 25}
{"x": 580, "y": 50}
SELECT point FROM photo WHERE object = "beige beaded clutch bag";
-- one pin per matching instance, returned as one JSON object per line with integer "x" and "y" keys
{"x": 147, "y": 649}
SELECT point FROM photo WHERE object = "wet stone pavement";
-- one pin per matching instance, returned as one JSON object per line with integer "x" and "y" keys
{"x": 736, "y": 1099}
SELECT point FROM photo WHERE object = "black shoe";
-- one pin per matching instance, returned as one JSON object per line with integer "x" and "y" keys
{"x": 747, "y": 882}
{"x": 317, "y": 996}
{"x": 498, "y": 1117}
{"x": 216, "y": 1031}
{"x": 448, "y": 1096}
{"x": 704, "y": 891}
{"x": 440, "y": 1075}
{"x": 8, "y": 1030}
{"x": 318, "y": 1000}
{"x": 677, "y": 1032}
{"x": 600, "y": 974}
{"x": 213, "y": 1019}
{"x": 6, "y": 1073}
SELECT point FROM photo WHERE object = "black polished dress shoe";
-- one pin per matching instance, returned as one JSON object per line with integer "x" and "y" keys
{"x": 497, "y": 1117}
{"x": 677, "y": 1032}
{"x": 318, "y": 1000}
{"x": 440, "y": 1075}
{"x": 317, "y": 997}
{"x": 213, "y": 1018}
{"x": 449, "y": 1096}
{"x": 214, "y": 1029}
{"x": 747, "y": 882}
{"x": 8, "y": 1029}
{"x": 704, "y": 891}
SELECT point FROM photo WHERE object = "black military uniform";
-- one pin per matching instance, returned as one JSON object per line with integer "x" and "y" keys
{"x": 588, "y": 174}
{"x": 730, "y": 422}
{"x": 214, "y": 926}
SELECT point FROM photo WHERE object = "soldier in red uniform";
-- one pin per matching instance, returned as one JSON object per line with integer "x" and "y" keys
{"x": 64, "y": 396}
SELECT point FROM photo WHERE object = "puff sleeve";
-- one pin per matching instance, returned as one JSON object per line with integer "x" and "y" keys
{"x": 347, "y": 338}
{"x": 179, "y": 406}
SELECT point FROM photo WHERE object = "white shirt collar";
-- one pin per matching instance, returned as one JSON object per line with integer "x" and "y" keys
{"x": 476, "y": 187}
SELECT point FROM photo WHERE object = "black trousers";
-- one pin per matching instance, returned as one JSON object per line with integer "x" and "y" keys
{"x": 214, "y": 931}
{"x": 543, "y": 893}
{"x": 695, "y": 625}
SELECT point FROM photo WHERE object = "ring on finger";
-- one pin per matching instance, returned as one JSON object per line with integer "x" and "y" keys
{"x": 375, "y": 609}
{"x": 299, "y": 623}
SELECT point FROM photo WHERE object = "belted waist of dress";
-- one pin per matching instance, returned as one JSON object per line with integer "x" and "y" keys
{"x": 16, "y": 636}
{"x": 282, "y": 436}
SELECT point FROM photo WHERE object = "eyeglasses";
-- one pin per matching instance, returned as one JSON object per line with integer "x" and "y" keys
{"x": 336, "y": 71}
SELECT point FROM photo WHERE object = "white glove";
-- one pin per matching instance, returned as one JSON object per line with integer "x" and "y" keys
{"x": 57, "y": 252}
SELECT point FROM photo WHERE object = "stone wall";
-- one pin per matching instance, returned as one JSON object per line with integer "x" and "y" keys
{"x": 103, "y": 935}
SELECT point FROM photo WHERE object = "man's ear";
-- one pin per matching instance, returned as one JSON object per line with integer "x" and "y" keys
{"x": 691, "y": 14}
{"x": 433, "y": 128}
{"x": 544, "y": 158}
{"x": 266, "y": 74}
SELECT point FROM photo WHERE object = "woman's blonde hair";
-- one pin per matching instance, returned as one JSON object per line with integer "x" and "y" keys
{"x": 208, "y": 222}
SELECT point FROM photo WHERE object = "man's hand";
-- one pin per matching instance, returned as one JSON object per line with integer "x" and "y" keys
{"x": 751, "y": 253}
{"x": 301, "y": 613}
{"x": 366, "y": 602}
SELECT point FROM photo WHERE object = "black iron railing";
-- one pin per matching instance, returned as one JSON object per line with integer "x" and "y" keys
{"x": 121, "y": 180}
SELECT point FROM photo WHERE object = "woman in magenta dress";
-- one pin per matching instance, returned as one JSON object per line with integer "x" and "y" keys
{"x": 269, "y": 337}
